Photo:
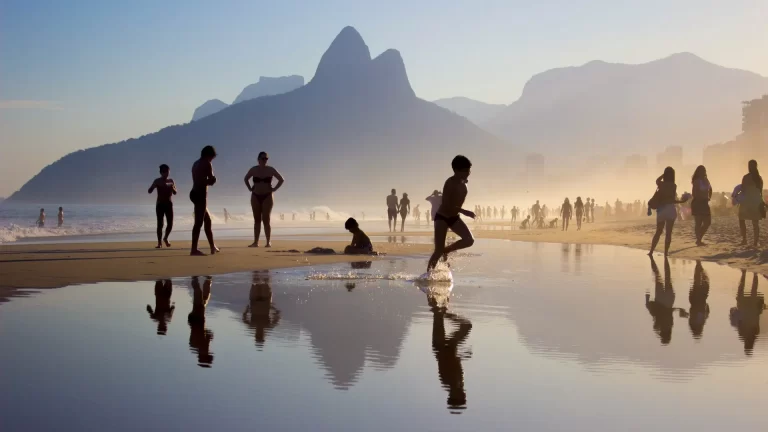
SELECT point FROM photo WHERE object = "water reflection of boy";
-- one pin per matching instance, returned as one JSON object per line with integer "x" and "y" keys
{"x": 263, "y": 314}
{"x": 446, "y": 352}
{"x": 698, "y": 295}
{"x": 662, "y": 306}
{"x": 163, "y": 308}
{"x": 200, "y": 337}
{"x": 746, "y": 315}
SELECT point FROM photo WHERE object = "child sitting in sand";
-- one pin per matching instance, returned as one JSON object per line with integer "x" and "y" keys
{"x": 361, "y": 244}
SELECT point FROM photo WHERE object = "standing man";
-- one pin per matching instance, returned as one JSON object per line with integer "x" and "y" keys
{"x": 202, "y": 177}
{"x": 392, "y": 202}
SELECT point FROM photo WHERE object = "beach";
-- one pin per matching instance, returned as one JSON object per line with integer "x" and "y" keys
{"x": 59, "y": 265}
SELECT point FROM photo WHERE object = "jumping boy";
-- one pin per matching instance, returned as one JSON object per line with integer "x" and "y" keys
{"x": 166, "y": 188}
{"x": 447, "y": 216}
{"x": 361, "y": 244}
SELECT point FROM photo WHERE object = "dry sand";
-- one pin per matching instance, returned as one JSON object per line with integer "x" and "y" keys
{"x": 52, "y": 266}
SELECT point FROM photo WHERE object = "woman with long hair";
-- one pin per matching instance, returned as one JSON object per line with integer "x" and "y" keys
{"x": 666, "y": 213}
{"x": 262, "y": 200}
{"x": 578, "y": 206}
{"x": 566, "y": 211}
{"x": 702, "y": 193}
{"x": 751, "y": 202}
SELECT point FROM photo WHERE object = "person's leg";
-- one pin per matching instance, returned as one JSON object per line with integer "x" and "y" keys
{"x": 256, "y": 209}
{"x": 706, "y": 221}
{"x": 441, "y": 231}
{"x": 198, "y": 224}
{"x": 462, "y": 230}
{"x": 209, "y": 231}
{"x": 697, "y": 222}
{"x": 266, "y": 213}
{"x": 159, "y": 214}
{"x": 756, "y": 231}
{"x": 657, "y": 236}
{"x": 743, "y": 229}
{"x": 668, "y": 238}
{"x": 402, "y": 222}
{"x": 169, "y": 225}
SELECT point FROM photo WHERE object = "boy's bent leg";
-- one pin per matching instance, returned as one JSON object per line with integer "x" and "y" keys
{"x": 441, "y": 231}
{"x": 467, "y": 240}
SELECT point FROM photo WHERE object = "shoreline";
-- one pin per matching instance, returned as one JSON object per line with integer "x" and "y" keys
{"x": 57, "y": 265}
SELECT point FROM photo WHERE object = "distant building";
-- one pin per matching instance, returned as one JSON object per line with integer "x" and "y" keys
{"x": 636, "y": 163}
{"x": 671, "y": 156}
{"x": 754, "y": 127}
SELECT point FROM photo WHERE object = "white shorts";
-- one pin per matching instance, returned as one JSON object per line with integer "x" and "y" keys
{"x": 665, "y": 213}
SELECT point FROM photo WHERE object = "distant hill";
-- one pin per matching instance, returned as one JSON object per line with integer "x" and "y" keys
{"x": 266, "y": 86}
{"x": 347, "y": 137}
{"x": 621, "y": 109}
{"x": 475, "y": 111}
{"x": 210, "y": 107}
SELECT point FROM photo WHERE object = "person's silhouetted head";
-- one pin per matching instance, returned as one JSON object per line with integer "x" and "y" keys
{"x": 405, "y": 195}
{"x": 567, "y": 201}
{"x": 351, "y": 225}
{"x": 165, "y": 170}
{"x": 700, "y": 173}
{"x": 462, "y": 167}
{"x": 208, "y": 152}
{"x": 42, "y": 210}
{"x": 263, "y": 158}
{"x": 669, "y": 175}
{"x": 61, "y": 208}
{"x": 394, "y": 192}
{"x": 537, "y": 201}
{"x": 435, "y": 192}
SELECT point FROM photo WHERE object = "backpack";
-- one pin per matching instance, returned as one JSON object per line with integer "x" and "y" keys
{"x": 653, "y": 203}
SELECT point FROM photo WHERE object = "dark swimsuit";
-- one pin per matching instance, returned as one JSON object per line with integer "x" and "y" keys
{"x": 451, "y": 221}
{"x": 261, "y": 197}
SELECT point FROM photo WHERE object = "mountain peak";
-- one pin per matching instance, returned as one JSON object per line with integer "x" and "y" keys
{"x": 347, "y": 51}
{"x": 268, "y": 86}
{"x": 389, "y": 72}
{"x": 209, "y": 107}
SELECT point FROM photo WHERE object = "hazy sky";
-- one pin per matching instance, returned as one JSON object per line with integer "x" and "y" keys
{"x": 80, "y": 73}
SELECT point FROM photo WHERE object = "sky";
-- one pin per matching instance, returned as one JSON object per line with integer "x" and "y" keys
{"x": 82, "y": 73}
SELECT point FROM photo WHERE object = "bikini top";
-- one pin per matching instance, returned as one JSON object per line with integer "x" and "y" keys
{"x": 262, "y": 179}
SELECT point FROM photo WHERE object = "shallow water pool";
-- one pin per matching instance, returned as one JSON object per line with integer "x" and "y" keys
{"x": 531, "y": 337}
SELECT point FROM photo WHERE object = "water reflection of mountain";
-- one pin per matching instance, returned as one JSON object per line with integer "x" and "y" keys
{"x": 347, "y": 329}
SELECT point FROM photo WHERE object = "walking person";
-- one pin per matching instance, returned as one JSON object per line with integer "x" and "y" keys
{"x": 392, "y": 209}
{"x": 578, "y": 206}
{"x": 666, "y": 214}
{"x": 702, "y": 193}
{"x": 751, "y": 206}
{"x": 566, "y": 213}
{"x": 61, "y": 216}
{"x": 262, "y": 200}
{"x": 202, "y": 177}
{"x": 166, "y": 189}
{"x": 405, "y": 209}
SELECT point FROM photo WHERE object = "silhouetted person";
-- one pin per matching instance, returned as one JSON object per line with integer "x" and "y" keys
{"x": 261, "y": 315}
{"x": 200, "y": 337}
{"x": 226, "y": 216}
{"x": 503, "y": 213}
{"x": 392, "y": 209}
{"x": 566, "y": 212}
{"x": 446, "y": 350}
{"x": 702, "y": 192}
{"x": 41, "y": 219}
{"x": 434, "y": 200}
{"x": 661, "y": 307}
{"x": 405, "y": 209}
{"x": 578, "y": 208}
{"x": 751, "y": 206}
{"x": 447, "y": 216}
{"x": 699, "y": 312}
{"x": 61, "y": 216}
{"x": 536, "y": 211}
{"x": 515, "y": 212}
{"x": 666, "y": 214}
{"x": 163, "y": 311}
{"x": 526, "y": 223}
{"x": 202, "y": 177}
{"x": 262, "y": 199}
{"x": 166, "y": 189}
{"x": 361, "y": 244}
{"x": 746, "y": 315}
{"x": 416, "y": 214}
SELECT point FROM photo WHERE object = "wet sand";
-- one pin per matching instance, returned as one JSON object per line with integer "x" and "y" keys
{"x": 53, "y": 266}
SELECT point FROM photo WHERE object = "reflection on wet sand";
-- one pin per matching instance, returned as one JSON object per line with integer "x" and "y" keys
{"x": 745, "y": 317}
{"x": 662, "y": 307}
{"x": 200, "y": 337}
{"x": 446, "y": 349}
{"x": 261, "y": 316}
{"x": 699, "y": 311}
{"x": 163, "y": 311}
